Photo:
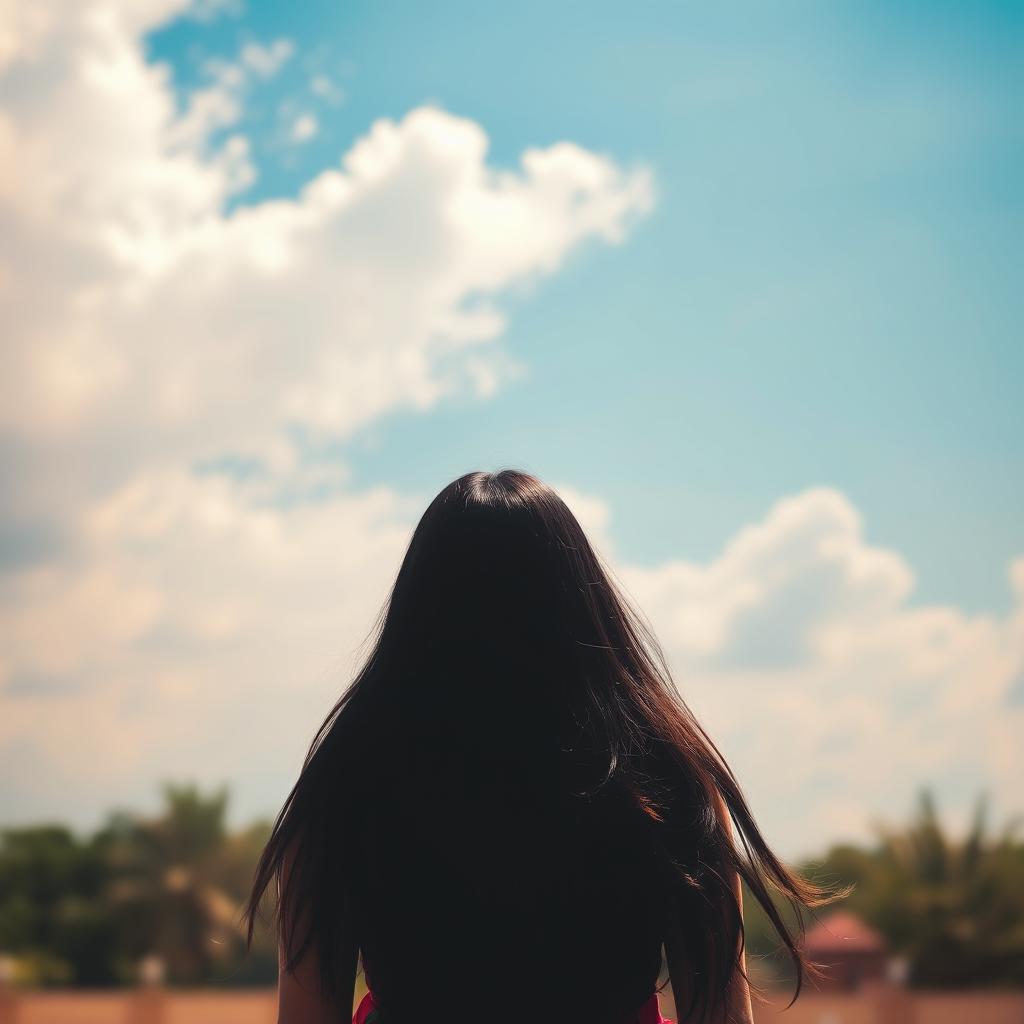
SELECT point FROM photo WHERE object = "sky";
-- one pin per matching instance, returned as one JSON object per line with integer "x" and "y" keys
{"x": 743, "y": 282}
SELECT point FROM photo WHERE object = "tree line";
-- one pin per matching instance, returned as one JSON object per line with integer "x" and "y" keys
{"x": 85, "y": 911}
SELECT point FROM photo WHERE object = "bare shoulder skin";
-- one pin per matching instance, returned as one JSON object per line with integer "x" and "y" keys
{"x": 737, "y": 1008}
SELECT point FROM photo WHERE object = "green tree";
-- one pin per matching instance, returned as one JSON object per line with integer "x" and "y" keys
{"x": 51, "y": 913}
{"x": 955, "y": 909}
{"x": 171, "y": 884}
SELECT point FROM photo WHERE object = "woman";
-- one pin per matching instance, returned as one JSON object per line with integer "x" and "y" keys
{"x": 511, "y": 812}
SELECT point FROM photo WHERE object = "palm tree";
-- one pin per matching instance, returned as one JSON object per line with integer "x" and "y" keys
{"x": 954, "y": 909}
{"x": 172, "y": 884}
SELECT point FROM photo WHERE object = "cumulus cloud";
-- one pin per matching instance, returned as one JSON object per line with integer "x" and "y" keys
{"x": 329, "y": 309}
{"x": 834, "y": 694}
{"x": 186, "y": 569}
{"x": 783, "y": 590}
{"x": 197, "y": 634}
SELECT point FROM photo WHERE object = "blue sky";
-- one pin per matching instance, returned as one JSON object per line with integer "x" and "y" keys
{"x": 828, "y": 292}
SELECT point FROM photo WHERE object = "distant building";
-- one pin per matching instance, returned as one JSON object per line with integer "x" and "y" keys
{"x": 849, "y": 950}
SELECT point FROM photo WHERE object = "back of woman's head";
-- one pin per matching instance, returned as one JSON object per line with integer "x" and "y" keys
{"x": 512, "y": 792}
{"x": 479, "y": 624}
{"x": 502, "y": 623}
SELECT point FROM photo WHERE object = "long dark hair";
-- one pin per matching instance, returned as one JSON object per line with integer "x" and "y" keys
{"x": 504, "y": 637}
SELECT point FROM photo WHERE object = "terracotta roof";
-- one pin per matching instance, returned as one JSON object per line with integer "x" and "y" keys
{"x": 843, "y": 932}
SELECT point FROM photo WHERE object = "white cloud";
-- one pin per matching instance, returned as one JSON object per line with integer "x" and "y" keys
{"x": 188, "y": 615}
{"x": 304, "y": 128}
{"x": 266, "y": 61}
{"x": 221, "y": 103}
{"x": 836, "y": 697}
{"x": 283, "y": 310}
{"x": 330, "y": 309}
{"x": 199, "y": 634}
{"x": 782, "y": 589}
{"x": 327, "y": 89}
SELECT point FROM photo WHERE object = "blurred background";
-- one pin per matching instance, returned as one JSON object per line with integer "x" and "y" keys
{"x": 742, "y": 281}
